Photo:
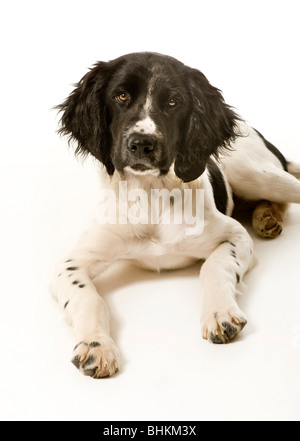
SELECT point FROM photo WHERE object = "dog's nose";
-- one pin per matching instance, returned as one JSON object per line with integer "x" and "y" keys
{"x": 140, "y": 146}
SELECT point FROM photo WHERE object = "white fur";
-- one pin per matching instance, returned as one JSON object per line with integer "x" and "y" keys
{"x": 253, "y": 173}
{"x": 151, "y": 171}
{"x": 146, "y": 126}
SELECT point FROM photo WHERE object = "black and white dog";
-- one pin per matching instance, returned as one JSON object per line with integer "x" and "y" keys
{"x": 156, "y": 124}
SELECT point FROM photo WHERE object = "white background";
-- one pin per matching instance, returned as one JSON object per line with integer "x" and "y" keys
{"x": 250, "y": 50}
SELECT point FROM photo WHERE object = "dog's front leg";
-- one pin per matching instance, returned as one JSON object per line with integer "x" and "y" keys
{"x": 95, "y": 353}
{"x": 222, "y": 319}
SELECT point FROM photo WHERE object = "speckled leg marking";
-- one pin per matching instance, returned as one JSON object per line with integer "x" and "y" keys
{"x": 222, "y": 320}
{"x": 96, "y": 354}
{"x": 267, "y": 219}
{"x": 96, "y": 359}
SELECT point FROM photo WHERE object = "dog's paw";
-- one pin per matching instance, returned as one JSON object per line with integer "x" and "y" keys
{"x": 267, "y": 221}
{"x": 223, "y": 326}
{"x": 97, "y": 358}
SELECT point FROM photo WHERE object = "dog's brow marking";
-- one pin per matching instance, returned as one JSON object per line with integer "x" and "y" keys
{"x": 148, "y": 105}
{"x": 146, "y": 125}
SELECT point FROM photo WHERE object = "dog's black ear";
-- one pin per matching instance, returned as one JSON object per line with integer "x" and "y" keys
{"x": 211, "y": 125}
{"x": 84, "y": 116}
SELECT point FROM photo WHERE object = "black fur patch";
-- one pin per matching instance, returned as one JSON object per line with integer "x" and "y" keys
{"x": 215, "y": 339}
{"x": 76, "y": 361}
{"x": 219, "y": 188}
{"x": 229, "y": 331}
{"x": 94, "y": 344}
{"x": 90, "y": 360}
{"x": 91, "y": 372}
{"x": 274, "y": 150}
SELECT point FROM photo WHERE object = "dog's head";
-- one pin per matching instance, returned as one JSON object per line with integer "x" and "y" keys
{"x": 143, "y": 112}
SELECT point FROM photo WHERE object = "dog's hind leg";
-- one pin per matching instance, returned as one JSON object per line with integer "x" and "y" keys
{"x": 269, "y": 183}
{"x": 257, "y": 171}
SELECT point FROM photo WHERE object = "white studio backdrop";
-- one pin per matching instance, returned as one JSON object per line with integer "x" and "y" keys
{"x": 248, "y": 49}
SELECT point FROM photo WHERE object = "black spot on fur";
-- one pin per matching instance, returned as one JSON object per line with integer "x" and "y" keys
{"x": 91, "y": 372}
{"x": 238, "y": 278}
{"x": 66, "y": 304}
{"x": 81, "y": 285}
{"x": 229, "y": 330}
{"x": 76, "y": 361}
{"x": 90, "y": 360}
{"x": 94, "y": 344}
{"x": 233, "y": 253}
{"x": 243, "y": 322}
{"x": 75, "y": 282}
{"x": 72, "y": 268}
{"x": 215, "y": 339}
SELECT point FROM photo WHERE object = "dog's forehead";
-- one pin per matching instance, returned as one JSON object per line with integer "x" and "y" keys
{"x": 150, "y": 73}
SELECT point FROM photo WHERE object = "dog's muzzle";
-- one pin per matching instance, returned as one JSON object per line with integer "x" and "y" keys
{"x": 141, "y": 151}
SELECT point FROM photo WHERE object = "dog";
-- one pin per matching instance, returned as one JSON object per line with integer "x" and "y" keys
{"x": 155, "y": 124}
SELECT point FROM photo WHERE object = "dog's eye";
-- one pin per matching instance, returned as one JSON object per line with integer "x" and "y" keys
{"x": 123, "y": 97}
{"x": 172, "y": 102}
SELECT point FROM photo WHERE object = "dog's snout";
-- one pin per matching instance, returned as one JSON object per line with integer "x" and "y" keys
{"x": 141, "y": 145}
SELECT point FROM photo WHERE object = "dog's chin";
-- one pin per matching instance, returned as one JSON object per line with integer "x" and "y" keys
{"x": 142, "y": 170}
